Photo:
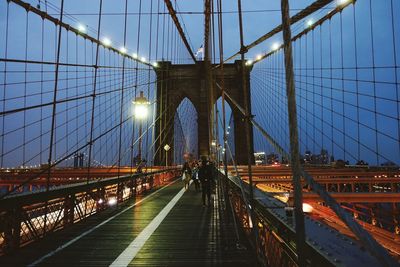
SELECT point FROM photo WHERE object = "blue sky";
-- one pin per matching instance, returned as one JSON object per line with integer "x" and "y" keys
{"x": 376, "y": 106}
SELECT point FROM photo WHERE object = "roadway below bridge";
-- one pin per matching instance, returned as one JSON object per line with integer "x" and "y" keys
{"x": 350, "y": 185}
{"x": 381, "y": 186}
{"x": 36, "y": 179}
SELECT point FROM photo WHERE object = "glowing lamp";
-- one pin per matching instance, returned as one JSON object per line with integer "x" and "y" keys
{"x": 123, "y": 50}
{"x": 141, "y": 106}
{"x": 81, "y": 28}
{"x": 275, "y": 46}
{"x": 307, "y": 208}
{"x": 106, "y": 41}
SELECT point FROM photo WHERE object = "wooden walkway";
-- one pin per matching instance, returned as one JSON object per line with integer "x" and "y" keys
{"x": 190, "y": 235}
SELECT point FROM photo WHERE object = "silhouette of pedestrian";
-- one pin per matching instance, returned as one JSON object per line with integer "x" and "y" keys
{"x": 205, "y": 176}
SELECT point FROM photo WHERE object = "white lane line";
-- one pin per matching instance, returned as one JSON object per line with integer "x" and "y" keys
{"x": 130, "y": 252}
{"x": 94, "y": 228}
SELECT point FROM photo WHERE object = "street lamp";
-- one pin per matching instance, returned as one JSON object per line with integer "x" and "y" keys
{"x": 166, "y": 148}
{"x": 141, "y": 111}
{"x": 213, "y": 148}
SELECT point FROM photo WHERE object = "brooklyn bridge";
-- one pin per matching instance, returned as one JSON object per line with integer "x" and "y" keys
{"x": 108, "y": 106}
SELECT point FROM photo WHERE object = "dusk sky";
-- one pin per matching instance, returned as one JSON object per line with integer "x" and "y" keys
{"x": 328, "y": 104}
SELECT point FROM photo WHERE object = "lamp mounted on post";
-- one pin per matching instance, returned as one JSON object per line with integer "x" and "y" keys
{"x": 141, "y": 111}
{"x": 166, "y": 148}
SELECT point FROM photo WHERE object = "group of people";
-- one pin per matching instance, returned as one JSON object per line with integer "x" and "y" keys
{"x": 201, "y": 172}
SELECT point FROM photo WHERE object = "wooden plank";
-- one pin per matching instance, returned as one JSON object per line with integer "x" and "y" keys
{"x": 193, "y": 235}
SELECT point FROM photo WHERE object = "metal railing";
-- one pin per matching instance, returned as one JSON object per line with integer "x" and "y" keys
{"x": 27, "y": 217}
{"x": 276, "y": 242}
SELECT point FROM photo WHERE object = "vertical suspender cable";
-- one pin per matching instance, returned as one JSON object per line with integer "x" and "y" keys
{"x": 343, "y": 86}
{"x": 221, "y": 61}
{"x": 247, "y": 118}
{"x": 374, "y": 82}
{"x": 395, "y": 74}
{"x": 4, "y": 87}
{"x": 41, "y": 93}
{"x": 305, "y": 98}
{"x": 214, "y": 99}
{"x": 294, "y": 138}
{"x": 53, "y": 117}
{"x": 122, "y": 94}
{"x": 135, "y": 92}
{"x": 313, "y": 88}
{"x": 154, "y": 106}
{"x": 25, "y": 85}
{"x": 357, "y": 83}
{"x": 321, "y": 87}
{"x": 149, "y": 70}
{"x": 94, "y": 92}
{"x": 331, "y": 86}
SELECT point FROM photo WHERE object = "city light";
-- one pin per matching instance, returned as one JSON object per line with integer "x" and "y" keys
{"x": 155, "y": 64}
{"x": 134, "y": 55}
{"x": 100, "y": 201}
{"x": 307, "y": 208}
{"x": 143, "y": 59}
{"x": 258, "y": 57}
{"x": 112, "y": 201}
{"x": 81, "y": 28}
{"x": 106, "y": 41}
{"x": 310, "y": 22}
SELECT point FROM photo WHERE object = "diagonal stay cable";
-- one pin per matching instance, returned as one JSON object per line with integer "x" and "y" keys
{"x": 172, "y": 12}
{"x": 367, "y": 240}
{"x": 296, "y": 18}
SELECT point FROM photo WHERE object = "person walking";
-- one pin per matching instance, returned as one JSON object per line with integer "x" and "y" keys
{"x": 186, "y": 174}
{"x": 195, "y": 178}
{"x": 205, "y": 177}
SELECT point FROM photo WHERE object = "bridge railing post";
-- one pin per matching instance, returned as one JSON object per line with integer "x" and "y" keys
{"x": 69, "y": 210}
{"x": 12, "y": 225}
{"x": 100, "y": 199}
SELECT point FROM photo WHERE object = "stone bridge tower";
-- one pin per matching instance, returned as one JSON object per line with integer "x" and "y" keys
{"x": 175, "y": 82}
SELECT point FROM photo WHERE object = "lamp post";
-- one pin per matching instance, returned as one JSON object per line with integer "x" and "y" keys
{"x": 214, "y": 149}
{"x": 140, "y": 111}
{"x": 166, "y": 148}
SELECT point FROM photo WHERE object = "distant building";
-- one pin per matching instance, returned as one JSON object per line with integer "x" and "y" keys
{"x": 308, "y": 156}
{"x": 259, "y": 158}
{"x": 78, "y": 160}
{"x": 319, "y": 159}
{"x": 362, "y": 163}
{"x": 272, "y": 158}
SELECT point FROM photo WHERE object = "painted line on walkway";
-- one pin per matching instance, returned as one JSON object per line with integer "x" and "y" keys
{"x": 131, "y": 251}
{"x": 48, "y": 255}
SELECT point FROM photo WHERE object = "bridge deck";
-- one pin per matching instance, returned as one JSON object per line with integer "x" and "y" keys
{"x": 190, "y": 235}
